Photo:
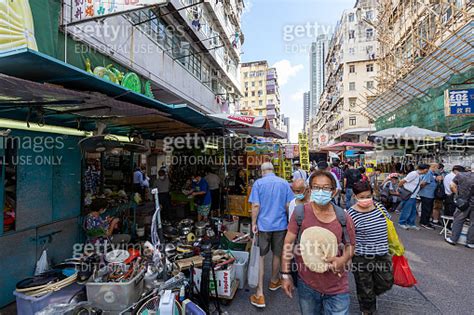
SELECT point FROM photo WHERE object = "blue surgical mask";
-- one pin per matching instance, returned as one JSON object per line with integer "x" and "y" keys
{"x": 321, "y": 197}
{"x": 299, "y": 196}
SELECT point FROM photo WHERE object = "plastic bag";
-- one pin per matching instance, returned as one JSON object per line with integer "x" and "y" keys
{"x": 395, "y": 247}
{"x": 254, "y": 264}
{"x": 42, "y": 263}
{"x": 402, "y": 275}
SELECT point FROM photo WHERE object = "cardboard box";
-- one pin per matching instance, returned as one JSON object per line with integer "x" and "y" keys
{"x": 238, "y": 205}
{"x": 225, "y": 280}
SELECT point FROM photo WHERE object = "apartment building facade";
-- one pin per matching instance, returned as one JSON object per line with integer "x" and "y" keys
{"x": 425, "y": 50}
{"x": 261, "y": 92}
{"x": 306, "y": 110}
{"x": 319, "y": 51}
{"x": 188, "y": 49}
{"x": 350, "y": 79}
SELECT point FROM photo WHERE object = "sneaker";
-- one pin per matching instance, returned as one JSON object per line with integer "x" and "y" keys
{"x": 275, "y": 285}
{"x": 414, "y": 227}
{"x": 470, "y": 246}
{"x": 450, "y": 241}
{"x": 437, "y": 223}
{"x": 258, "y": 301}
{"x": 403, "y": 226}
{"x": 427, "y": 226}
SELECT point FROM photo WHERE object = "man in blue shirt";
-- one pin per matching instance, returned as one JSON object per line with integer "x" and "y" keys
{"x": 270, "y": 198}
{"x": 202, "y": 196}
{"x": 427, "y": 194}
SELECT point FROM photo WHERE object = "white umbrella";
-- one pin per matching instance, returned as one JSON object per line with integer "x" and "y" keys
{"x": 408, "y": 133}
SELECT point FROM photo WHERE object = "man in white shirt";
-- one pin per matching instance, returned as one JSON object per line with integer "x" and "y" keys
{"x": 301, "y": 191}
{"x": 299, "y": 173}
{"x": 411, "y": 183}
{"x": 214, "y": 184}
{"x": 449, "y": 206}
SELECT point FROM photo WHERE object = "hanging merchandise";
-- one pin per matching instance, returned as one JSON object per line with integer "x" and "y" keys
{"x": 132, "y": 81}
{"x": 42, "y": 263}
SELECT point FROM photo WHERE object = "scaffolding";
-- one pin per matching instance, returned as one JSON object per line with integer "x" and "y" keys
{"x": 411, "y": 30}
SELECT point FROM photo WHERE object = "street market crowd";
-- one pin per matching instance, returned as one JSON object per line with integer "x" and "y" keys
{"x": 337, "y": 219}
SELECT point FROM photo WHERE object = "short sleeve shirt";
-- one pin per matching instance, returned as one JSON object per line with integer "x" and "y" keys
{"x": 203, "y": 186}
{"x": 413, "y": 181}
{"x": 272, "y": 194}
{"x": 327, "y": 282}
{"x": 429, "y": 190}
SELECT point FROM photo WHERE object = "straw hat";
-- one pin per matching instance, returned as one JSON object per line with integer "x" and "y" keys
{"x": 316, "y": 245}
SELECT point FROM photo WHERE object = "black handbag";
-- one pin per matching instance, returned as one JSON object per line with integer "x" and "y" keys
{"x": 461, "y": 203}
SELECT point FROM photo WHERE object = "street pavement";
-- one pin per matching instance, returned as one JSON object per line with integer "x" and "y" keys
{"x": 444, "y": 273}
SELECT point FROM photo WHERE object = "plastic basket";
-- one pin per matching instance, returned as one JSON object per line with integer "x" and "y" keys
{"x": 241, "y": 264}
{"x": 115, "y": 296}
{"x": 29, "y": 305}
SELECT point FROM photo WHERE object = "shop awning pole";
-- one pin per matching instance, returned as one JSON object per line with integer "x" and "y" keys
{"x": 225, "y": 155}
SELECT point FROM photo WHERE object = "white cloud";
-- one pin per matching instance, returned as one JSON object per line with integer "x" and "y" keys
{"x": 286, "y": 70}
{"x": 297, "y": 97}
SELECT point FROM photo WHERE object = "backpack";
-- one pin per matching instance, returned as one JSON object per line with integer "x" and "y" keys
{"x": 340, "y": 215}
{"x": 440, "y": 193}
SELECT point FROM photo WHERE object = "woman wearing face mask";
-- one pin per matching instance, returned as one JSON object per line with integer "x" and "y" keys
{"x": 372, "y": 264}
{"x": 96, "y": 227}
{"x": 322, "y": 292}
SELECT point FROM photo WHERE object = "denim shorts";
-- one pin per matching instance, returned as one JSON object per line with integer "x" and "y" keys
{"x": 314, "y": 303}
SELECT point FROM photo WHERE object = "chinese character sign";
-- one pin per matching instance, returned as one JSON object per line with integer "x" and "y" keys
{"x": 304, "y": 151}
{"x": 459, "y": 102}
{"x": 87, "y": 9}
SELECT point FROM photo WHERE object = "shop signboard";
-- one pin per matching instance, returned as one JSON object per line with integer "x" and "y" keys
{"x": 83, "y": 10}
{"x": 289, "y": 150}
{"x": 459, "y": 102}
{"x": 304, "y": 151}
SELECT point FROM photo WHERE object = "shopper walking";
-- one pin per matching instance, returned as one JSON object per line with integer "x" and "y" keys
{"x": 449, "y": 206}
{"x": 411, "y": 183}
{"x": 351, "y": 176}
{"x": 214, "y": 186}
{"x": 299, "y": 173}
{"x": 323, "y": 285}
{"x": 463, "y": 186}
{"x": 301, "y": 192}
{"x": 372, "y": 264}
{"x": 427, "y": 194}
{"x": 270, "y": 198}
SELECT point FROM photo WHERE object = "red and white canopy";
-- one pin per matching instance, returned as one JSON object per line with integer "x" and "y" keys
{"x": 251, "y": 125}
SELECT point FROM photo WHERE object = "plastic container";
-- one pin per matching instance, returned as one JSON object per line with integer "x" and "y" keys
{"x": 231, "y": 225}
{"x": 245, "y": 227}
{"x": 226, "y": 241}
{"x": 241, "y": 264}
{"x": 115, "y": 296}
{"x": 29, "y": 305}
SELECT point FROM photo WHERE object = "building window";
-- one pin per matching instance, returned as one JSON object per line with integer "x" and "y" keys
{"x": 351, "y": 17}
{"x": 253, "y": 93}
{"x": 369, "y": 33}
{"x": 246, "y": 75}
{"x": 352, "y": 86}
{"x": 369, "y": 15}
{"x": 260, "y": 103}
{"x": 260, "y": 113}
{"x": 351, "y": 51}
{"x": 370, "y": 67}
{"x": 260, "y": 83}
{"x": 352, "y": 121}
{"x": 260, "y": 93}
{"x": 351, "y": 34}
{"x": 253, "y": 83}
{"x": 352, "y": 101}
{"x": 352, "y": 69}
{"x": 370, "y": 84}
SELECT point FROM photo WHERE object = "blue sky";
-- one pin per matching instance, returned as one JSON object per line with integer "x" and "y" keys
{"x": 281, "y": 32}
